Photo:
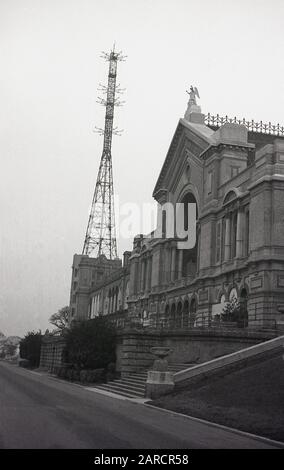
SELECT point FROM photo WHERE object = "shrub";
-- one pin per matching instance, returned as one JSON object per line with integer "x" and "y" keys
{"x": 83, "y": 376}
{"x": 91, "y": 344}
{"x": 69, "y": 374}
{"x": 61, "y": 372}
{"x": 30, "y": 347}
{"x": 95, "y": 376}
{"x": 111, "y": 372}
{"x": 76, "y": 375}
{"x": 111, "y": 367}
{"x": 24, "y": 363}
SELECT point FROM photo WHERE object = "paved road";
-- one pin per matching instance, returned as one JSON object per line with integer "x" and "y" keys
{"x": 41, "y": 412}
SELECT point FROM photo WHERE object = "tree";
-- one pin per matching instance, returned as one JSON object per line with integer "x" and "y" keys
{"x": 231, "y": 311}
{"x": 10, "y": 349}
{"x": 30, "y": 347}
{"x": 91, "y": 343}
{"x": 60, "y": 319}
{"x": 235, "y": 311}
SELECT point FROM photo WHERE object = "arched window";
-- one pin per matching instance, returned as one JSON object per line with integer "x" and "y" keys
{"x": 235, "y": 221}
{"x": 223, "y": 299}
{"x": 187, "y": 171}
{"x": 244, "y": 308}
{"x": 167, "y": 316}
{"x": 190, "y": 261}
{"x": 112, "y": 300}
{"x": 233, "y": 294}
{"x": 230, "y": 196}
{"x": 173, "y": 316}
{"x": 185, "y": 313}
{"x": 126, "y": 295}
{"x": 192, "y": 312}
{"x": 178, "y": 322}
{"x": 109, "y": 301}
{"x": 116, "y": 299}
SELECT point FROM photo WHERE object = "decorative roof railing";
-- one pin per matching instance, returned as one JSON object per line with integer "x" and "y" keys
{"x": 252, "y": 126}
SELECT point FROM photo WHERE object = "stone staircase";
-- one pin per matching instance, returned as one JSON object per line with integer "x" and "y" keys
{"x": 133, "y": 386}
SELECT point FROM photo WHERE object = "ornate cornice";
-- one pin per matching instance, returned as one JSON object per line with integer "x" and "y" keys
{"x": 222, "y": 146}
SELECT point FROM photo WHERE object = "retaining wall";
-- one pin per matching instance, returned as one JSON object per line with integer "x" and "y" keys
{"x": 192, "y": 346}
{"x": 229, "y": 362}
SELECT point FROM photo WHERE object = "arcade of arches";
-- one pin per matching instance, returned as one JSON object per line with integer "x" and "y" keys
{"x": 180, "y": 314}
{"x": 183, "y": 314}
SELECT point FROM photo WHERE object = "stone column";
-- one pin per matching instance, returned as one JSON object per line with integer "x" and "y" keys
{"x": 92, "y": 308}
{"x": 165, "y": 265}
{"x": 113, "y": 301}
{"x": 142, "y": 274}
{"x": 180, "y": 260}
{"x": 228, "y": 238}
{"x": 198, "y": 231}
{"x": 169, "y": 263}
{"x": 100, "y": 309}
{"x": 95, "y": 308}
{"x": 149, "y": 281}
{"x": 239, "y": 238}
{"x": 146, "y": 271}
{"x": 173, "y": 264}
{"x": 137, "y": 275}
{"x": 109, "y": 303}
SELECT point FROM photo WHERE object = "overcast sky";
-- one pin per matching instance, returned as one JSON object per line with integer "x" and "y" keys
{"x": 49, "y": 73}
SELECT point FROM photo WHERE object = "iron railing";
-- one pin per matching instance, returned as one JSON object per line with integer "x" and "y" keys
{"x": 253, "y": 126}
{"x": 256, "y": 322}
{"x": 253, "y": 324}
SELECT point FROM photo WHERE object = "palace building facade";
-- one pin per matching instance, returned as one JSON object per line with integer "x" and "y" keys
{"x": 234, "y": 173}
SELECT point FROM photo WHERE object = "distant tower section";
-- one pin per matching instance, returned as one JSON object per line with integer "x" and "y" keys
{"x": 100, "y": 236}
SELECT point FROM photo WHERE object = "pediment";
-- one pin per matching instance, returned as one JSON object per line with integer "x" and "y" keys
{"x": 188, "y": 143}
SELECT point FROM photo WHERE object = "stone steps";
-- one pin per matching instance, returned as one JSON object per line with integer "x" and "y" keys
{"x": 109, "y": 388}
{"x": 137, "y": 376}
{"x": 134, "y": 385}
{"x": 133, "y": 381}
{"x": 129, "y": 384}
{"x": 123, "y": 389}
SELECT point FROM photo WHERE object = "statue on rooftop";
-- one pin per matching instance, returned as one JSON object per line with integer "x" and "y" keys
{"x": 193, "y": 93}
{"x": 193, "y": 112}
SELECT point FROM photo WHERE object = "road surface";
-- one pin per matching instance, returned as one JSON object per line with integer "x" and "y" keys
{"x": 41, "y": 412}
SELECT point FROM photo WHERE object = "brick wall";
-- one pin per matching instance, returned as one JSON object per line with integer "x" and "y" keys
{"x": 52, "y": 353}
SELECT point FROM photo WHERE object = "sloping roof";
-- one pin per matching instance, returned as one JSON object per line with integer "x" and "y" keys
{"x": 201, "y": 130}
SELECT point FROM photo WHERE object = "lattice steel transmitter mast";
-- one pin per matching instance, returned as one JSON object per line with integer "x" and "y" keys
{"x": 100, "y": 235}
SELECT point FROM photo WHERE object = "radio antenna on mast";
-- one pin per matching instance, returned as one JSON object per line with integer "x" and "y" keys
{"x": 100, "y": 234}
